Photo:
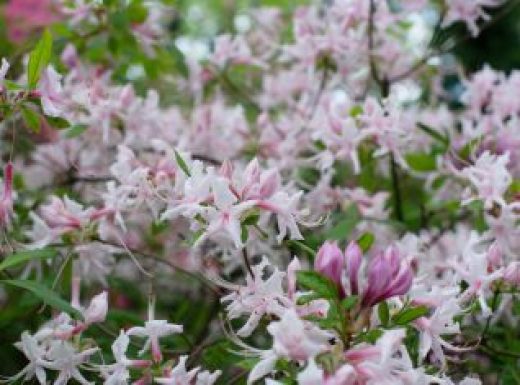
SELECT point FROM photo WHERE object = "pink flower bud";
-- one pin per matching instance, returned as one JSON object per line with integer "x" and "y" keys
{"x": 388, "y": 276}
{"x": 156, "y": 349}
{"x": 494, "y": 256}
{"x": 379, "y": 276}
{"x": 97, "y": 310}
{"x": 353, "y": 257}
{"x": 140, "y": 364}
{"x": 269, "y": 183}
{"x": 329, "y": 261}
{"x": 293, "y": 267}
{"x": 401, "y": 283}
{"x": 69, "y": 56}
{"x": 512, "y": 273}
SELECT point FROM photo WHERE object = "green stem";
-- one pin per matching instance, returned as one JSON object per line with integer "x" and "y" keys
{"x": 398, "y": 209}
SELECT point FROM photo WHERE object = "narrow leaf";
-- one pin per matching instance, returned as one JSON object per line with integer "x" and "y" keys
{"x": 31, "y": 119}
{"x": 306, "y": 298}
{"x": 75, "y": 130}
{"x": 420, "y": 161}
{"x": 408, "y": 315}
{"x": 39, "y": 59}
{"x": 302, "y": 246}
{"x": 182, "y": 164}
{"x": 318, "y": 283}
{"x": 434, "y": 134}
{"x": 349, "y": 302}
{"x": 57, "y": 122}
{"x": 28, "y": 255}
{"x": 365, "y": 241}
{"x": 384, "y": 313}
{"x": 345, "y": 226}
{"x": 45, "y": 294}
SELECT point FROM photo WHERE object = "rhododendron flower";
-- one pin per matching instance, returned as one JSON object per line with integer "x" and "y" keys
{"x": 432, "y": 328}
{"x": 512, "y": 273}
{"x": 469, "y": 12}
{"x": 332, "y": 141}
{"x": 490, "y": 177}
{"x": 388, "y": 276}
{"x": 472, "y": 267}
{"x": 36, "y": 356}
{"x": 353, "y": 259}
{"x": 179, "y": 375}
{"x": 65, "y": 359}
{"x": 226, "y": 214}
{"x": 153, "y": 330}
{"x": 27, "y": 16}
{"x": 259, "y": 297}
{"x": 330, "y": 261}
{"x": 51, "y": 92}
{"x": 294, "y": 339}
{"x": 117, "y": 373}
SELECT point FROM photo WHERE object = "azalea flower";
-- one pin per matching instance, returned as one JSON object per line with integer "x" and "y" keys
{"x": 153, "y": 330}
{"x": 117, "y": 373}
{"x": 469, "y": 12}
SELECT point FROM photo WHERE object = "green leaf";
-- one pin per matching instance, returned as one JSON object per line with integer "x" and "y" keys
{"x": 39, "y": 59}
{"x": 137, "y": 12}
{"x": 31, "y": 119}
{"x": 196, "y": 236}
{"x": 442, "y": 139}
{"x": 45, "y": 294}
{"x": 57, "y": 122}
{"x": 28, "y": 255}
{"x": 470, "y": 148}
{"x": 12, "y": 86}
{"x": 244, "y": 233}
{"x": 318, "y": 283}
{"x": 384, "y": 313}
{"x": 406, "y": 316}
{"x": 75, "y": 130}
{"x": 366, "y": 241}
{"x": 182, "y": 164}
{"x": 345, "y": 226}
{"x": 349, "y": 302}
{"x": 306, "y": 298}
{"x": 356, "y": 111}
{"x": 420, "y": 161}
{"x": 251, "y": 218}
{"x": 370, "y": 336}
{"x": 302, "y": 246}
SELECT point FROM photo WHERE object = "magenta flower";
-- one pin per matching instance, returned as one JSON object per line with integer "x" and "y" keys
{"x": 329, "y": 262}
{"x": 388, "y": 276}
{"x": 24, "y": 17}
{"x": 353, "y": 258}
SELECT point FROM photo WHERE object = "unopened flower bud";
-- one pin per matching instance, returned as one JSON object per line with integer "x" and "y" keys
{"x": 353, "y": 257}
{"x": 329, "y": 261}
{"x": 512, "y": 273}
{"x": 97, "y": 310}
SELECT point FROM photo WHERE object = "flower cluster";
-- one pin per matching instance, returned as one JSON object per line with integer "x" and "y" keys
{"x": 301, "y": 200}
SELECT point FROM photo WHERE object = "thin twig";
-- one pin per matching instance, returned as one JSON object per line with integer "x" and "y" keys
{"x": 245, "y": 257}
{"x": 396, "y": 189}
{"x": 373, "y": 67}
{"x": 155, "y": 258}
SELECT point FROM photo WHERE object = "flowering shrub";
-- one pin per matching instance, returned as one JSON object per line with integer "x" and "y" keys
{"x": 301, "y": 201}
